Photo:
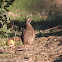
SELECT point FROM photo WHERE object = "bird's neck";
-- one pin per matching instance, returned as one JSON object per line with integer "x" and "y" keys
{"x": 29, "y": 26}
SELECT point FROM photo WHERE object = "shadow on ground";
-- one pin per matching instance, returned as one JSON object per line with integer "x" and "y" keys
{"x": 1, "y": 52}
{"x": 42, "y": 25}
{"x": 49, "y": 25}
{"x": 59, "y": 60}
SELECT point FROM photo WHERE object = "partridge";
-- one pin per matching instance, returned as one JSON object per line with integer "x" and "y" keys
{"x": 28, "y": 34}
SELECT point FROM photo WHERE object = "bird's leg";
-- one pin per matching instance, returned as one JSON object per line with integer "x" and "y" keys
{"x": 25, "y": 47}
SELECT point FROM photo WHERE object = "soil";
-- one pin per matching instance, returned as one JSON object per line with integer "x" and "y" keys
{"x": 46, "y": 48}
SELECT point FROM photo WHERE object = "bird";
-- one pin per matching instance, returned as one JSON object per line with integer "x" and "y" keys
{"x": 28, "y": 34}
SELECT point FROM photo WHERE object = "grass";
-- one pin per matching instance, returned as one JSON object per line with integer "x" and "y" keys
{"x": 19, "y": 43}
{"x": 2, "y": 42}
{"x": 24, "y": 8}
{"x": 22, "y": 5}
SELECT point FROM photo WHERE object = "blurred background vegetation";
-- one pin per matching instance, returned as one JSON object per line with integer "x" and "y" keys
{"x": 15, "y": 12}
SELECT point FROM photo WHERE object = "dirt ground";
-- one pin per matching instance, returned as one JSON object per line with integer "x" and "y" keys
{"x": 46, "y": 48}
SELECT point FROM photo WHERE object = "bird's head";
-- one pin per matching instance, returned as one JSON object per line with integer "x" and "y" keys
{"x": 28, "y": 21}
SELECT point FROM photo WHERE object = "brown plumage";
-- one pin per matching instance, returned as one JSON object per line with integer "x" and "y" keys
{"x": 28, "y": 33}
